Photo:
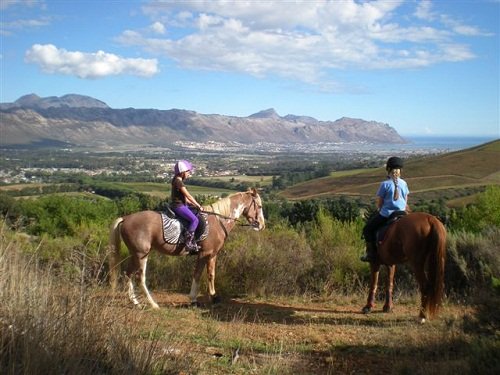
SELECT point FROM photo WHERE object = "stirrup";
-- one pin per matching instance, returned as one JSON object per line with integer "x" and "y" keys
{"x": 367, "y": 258}
{"x": 191, "y": 244}
{"x": 193, "y": 248}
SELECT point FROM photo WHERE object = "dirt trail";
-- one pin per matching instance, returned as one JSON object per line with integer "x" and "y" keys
{"x": 309, "y": 337}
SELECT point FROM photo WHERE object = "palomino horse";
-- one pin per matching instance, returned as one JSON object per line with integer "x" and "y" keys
{"x": 143, "y": 231}
{"x": 418, "y": 239}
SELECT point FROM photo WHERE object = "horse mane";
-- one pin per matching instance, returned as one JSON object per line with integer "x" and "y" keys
{"x": 222, "y": 206}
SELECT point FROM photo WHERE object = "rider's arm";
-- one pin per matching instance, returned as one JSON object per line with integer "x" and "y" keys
{"x": 190, "y": 198}
{"x": 379, "y": 201}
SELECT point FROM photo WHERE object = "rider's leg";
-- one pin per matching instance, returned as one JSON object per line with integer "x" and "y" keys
{"x": 369, "y": 234}
{"x": 184, "y": 212}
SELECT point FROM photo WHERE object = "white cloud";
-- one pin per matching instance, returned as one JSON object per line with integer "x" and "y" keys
{"x": 158, "y": 28}
{"x": 9, "y": 28}
{"x": 424, "y": 10}
{"x": 302, "y": 40}
{"x": 4, "y": 4}
{"x": 87, "y": 65}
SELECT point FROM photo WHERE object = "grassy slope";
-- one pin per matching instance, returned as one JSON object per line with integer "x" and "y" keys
{"x": 473, "y": 167}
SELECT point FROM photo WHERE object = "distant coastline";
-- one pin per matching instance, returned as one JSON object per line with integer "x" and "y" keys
{"x": 447, "y": 143}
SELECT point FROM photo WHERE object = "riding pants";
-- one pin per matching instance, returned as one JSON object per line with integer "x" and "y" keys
{"x": 184, "y": 212}
{"x": 371, "y": 227}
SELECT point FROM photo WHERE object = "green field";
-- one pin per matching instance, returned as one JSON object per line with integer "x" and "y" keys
{"x": 162, "y": 190}
{"x": 261, "y": 180}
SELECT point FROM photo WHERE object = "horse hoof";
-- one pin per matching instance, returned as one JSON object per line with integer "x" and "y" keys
{"x": 216, "y": 299}
{"x": 366, "y": 310}
{"x": 195, "y": 304}
{"x": 387, "y": 309}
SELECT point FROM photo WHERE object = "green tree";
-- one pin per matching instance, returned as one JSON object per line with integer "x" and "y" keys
{"x": 481, "y": 215}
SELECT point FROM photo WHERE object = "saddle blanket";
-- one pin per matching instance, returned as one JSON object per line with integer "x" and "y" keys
{"x": 173, "y": 229}
{"x": 383, "y": 230}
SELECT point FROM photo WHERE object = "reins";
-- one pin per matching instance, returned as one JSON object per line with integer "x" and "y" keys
{"x": 226, "y": 217}
{"x": 236, "y": 220}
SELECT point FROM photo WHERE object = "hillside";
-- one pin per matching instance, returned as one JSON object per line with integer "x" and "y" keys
{"x": 76, "y": 120}
{"x": 473, "y": 167}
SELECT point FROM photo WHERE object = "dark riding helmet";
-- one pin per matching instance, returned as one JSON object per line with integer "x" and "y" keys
{"x": 394, "y": 163}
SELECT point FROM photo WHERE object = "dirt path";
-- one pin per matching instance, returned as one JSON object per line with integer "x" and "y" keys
{"x": 306, "y": 336}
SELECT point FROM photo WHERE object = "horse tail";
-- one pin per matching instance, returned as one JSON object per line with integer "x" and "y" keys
{"x": 436, "y": 264}
{"x": 114, "y": 254}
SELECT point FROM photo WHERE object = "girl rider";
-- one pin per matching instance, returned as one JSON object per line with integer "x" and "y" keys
{"x": 180, "y": 198}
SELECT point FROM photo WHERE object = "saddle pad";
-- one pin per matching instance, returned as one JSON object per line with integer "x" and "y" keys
{"x": 173, "y": 228}
{"x": 383, "y": 230}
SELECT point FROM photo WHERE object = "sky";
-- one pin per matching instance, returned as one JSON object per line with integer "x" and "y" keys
{"x": 423, "y": 67}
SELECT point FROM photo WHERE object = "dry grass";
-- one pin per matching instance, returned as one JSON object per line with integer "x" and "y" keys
{"x": 52, "y": 325}
{"x": 473, "y": 167}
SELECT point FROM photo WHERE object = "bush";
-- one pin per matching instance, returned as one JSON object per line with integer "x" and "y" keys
{"x": 336, "y": 247}
{"x": 484, "y": 214}
{"x": 266, "y": 263}
{"x": 59, "y": 215}
{"x": 473, "y": 261}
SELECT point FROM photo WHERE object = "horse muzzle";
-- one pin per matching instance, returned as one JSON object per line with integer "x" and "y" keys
{"x": 257, "y": 225}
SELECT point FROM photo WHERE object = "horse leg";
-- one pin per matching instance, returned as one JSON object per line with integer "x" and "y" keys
{"x": 422, "y": 283}
{"x": 388, "y": 288}
{"x": 370, "y": 303}
{"x": 151, "y": 301}
{"x": 195, "y": 285}
{"x": 211, "y": 279}
{"x": 137, "y": 267}
{"x": 132, "y": 268}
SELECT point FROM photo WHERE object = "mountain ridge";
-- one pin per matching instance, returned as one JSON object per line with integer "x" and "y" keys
{"x": 82, "y": 120}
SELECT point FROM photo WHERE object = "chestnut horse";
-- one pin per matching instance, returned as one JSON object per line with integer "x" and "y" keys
{"x": 143, "y": 231}
{"x": 418, "y": 239}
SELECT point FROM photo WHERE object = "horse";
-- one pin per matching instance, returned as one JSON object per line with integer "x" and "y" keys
{"x": 143, "y": 231}
{"x": 419, "y": 240}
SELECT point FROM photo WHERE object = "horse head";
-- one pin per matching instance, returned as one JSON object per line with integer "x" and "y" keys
{"x": 253, "y": 211}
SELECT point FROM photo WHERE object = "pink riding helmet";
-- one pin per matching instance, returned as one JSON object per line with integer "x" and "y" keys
{"x": 182, "y": 166}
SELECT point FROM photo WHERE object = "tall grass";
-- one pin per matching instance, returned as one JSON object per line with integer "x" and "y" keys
{"x": 56, "y": 317}
{"x": 54, "y": 325}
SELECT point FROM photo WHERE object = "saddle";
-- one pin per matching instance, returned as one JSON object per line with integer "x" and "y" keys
{"x": 395, "y": 216}
{"x": 174, "y": 227}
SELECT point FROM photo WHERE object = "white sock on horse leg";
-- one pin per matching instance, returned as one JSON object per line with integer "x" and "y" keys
{"x": 152, "y": 302}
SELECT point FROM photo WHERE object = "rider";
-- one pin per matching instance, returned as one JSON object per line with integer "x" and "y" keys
{"x": 180, "y": 197}
{"x": 392, "y": 196}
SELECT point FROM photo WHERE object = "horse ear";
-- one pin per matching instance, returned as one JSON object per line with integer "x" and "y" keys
{"x": 253, "y": 191}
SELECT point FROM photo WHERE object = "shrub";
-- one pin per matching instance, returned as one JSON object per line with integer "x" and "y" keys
{"x": 60, "y": 216}
{"x": 336, "y": 247}
{"x": 485, "y": 213}
{"x": 271, "y": 262}
{"x": 473, "y": 261}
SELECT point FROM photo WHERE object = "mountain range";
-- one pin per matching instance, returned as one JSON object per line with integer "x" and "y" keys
{"x": 77, "y": 120}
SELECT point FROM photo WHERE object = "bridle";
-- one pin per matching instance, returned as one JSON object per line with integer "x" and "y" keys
{"x": 253, "y": 222}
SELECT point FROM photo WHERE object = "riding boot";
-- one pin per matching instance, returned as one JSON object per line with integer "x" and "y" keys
{"x": 191, "y": 244}
{"x": 371, "y": 253}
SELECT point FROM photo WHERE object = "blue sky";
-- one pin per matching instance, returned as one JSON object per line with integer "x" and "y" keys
{"x": 423, "y": 67}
